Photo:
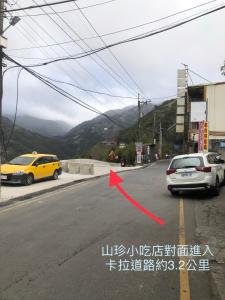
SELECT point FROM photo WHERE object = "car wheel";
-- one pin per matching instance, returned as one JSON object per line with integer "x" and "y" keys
{"x": 216, "y": 188}
{"x": 55, "y": 175}
{"x": 28, "y": 179}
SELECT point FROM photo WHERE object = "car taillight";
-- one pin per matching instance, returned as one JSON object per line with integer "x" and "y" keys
{"x": 170, "y": 171}
{"x": 204, "y": 169}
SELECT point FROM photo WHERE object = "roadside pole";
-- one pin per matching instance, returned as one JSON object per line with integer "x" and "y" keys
{"x": 140, "y": 104}
{"x": 154, "y": 142}
{"x": 139, "y": 118}
{"x": 1, "y": 85}
{"x": 160, "y": 140}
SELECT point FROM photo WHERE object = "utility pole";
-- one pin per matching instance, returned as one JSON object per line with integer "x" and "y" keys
{"x": 160, "y": 140}
{"x": 140, "y": 103}
{"x": 154, "y": 140}
{"x": 1, "y": 84}
{"x": 139, "y": 118}
{"x": 187, "y": 123}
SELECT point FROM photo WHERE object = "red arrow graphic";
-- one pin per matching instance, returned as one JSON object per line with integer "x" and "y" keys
{"x": 115, "y": 180}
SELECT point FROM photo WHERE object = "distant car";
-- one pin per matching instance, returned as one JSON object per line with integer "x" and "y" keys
{"x": 196, "y": 171}
{"x": 27, "y": 168}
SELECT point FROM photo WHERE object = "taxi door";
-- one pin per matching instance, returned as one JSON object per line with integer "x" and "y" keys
{"x": 40, "y": 168}
{"x": 50, "y": 165}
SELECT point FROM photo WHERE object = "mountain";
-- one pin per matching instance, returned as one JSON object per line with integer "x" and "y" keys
{"x": 164, "y": 113}
{"x": 78, "y": 141}
{"x": 87, "y": 134}
{"x": 26, "y": 141}
{"x": 43, "y": 127}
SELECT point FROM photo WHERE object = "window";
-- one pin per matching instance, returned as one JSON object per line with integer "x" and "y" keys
{"x": 213, "y": 158}
{"x": 41, "y": 160}
{"x": 210, "y": 159}
{"x": 49, "y": 159}
{"x": 21, "y": 160}
{"x": 187, "y": 162}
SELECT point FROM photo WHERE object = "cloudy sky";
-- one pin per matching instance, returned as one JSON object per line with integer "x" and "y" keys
{"x": 148, "y": 66}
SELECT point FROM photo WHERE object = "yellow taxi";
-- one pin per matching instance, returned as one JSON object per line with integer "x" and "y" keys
{"x": 27, "y": 168}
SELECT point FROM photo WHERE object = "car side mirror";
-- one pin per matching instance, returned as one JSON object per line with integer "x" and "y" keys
{"x": 222, "y": 161}
{"x": 35, "y": 164}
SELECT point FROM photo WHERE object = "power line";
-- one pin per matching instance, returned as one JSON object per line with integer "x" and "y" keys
{"x": 62, "y": 92}
{"x": 30, "y": 38}
{"x": 97, "y": 92}
{"x": 16, "y": 110}
{"x": 30, "y": 58}
{"x": 135, "y": 38}
{"x": 69, "y": 10}
{"x": 85, "y": 90}
{"x": 37, "y": 6}
{"x": 110, "y": 51}
{"x": 88, "y": 90}
{"x": 122, "y": 30}
{"x": 47, "y": 33}
{"x": 189, "y": 75}
{"x": 199, "y": 75}
{"x": 155, "y": 21}
{"x": 81, "y": 47}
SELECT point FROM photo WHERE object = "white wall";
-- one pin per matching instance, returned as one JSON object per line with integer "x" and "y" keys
{"x": 215, "y": 95}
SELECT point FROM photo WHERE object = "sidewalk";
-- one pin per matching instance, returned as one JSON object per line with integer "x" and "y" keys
{"x": 11, "y": 193}
{"x": 210, "y": 230}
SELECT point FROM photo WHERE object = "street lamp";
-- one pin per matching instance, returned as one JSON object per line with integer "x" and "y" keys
{"x": 12, "y": 22}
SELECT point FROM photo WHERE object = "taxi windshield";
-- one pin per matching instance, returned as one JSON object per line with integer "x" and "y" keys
{"x": 21, "y": 160}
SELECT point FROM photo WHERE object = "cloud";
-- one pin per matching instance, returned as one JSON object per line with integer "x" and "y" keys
{"x": 152, "y": 62}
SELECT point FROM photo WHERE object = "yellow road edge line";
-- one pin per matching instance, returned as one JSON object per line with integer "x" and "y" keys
{"x": 184, "y": 278}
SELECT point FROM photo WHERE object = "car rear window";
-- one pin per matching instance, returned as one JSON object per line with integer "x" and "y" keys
{"x": 187, "y": 162}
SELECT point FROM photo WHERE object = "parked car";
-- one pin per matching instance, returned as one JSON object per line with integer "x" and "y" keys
{"x": 196, "y": 171}
{"x": 27, "y": 168}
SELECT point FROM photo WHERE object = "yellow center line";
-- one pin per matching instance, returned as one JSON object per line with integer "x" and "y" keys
{"x": 184, "y": 279}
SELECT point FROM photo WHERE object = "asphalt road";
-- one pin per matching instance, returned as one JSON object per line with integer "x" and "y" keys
{"x": 51, "y": 246}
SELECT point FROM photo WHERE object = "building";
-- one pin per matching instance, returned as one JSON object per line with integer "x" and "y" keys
{"x": 209, "y": 102}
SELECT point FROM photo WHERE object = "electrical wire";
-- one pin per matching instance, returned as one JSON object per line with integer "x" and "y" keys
{"x": 47, "y": 33}
{"x": 105, "y": 94}
{"x": 122, "y": 30}
{"x": 121, "y": 81}
{"x": 63, "y": 92}
{"x": 80, "y": 65}
{"x": 69, "y": 10}
{"x": 110, "y": 51}
{"x": 88, "y": 90}
{"x": 94, "y": 91}
{"x": 37, "y": 6}
{"x": 75, "y": 80}
{"x": 189, "y": 76}
{"x": 16, "y": 110}
{"x": 199, "y": 75}
{"x": 135, "y": 38}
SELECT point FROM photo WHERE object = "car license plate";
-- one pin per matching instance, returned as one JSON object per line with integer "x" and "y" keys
{"x": 188, "y": 174}
{"x": 4, "y": 177}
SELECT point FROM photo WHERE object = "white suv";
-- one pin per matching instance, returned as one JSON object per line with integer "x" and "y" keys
{"x": 196, "y": 171}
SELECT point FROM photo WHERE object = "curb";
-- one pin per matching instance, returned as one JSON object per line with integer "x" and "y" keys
{"x": 51, "y": 189}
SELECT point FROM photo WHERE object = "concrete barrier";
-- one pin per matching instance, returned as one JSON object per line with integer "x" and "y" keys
{"x": 86, "y": 169}
{"x": 73, "y": 168}
{"x": 86, "y": 166}
{"x": 65, "y": 166}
